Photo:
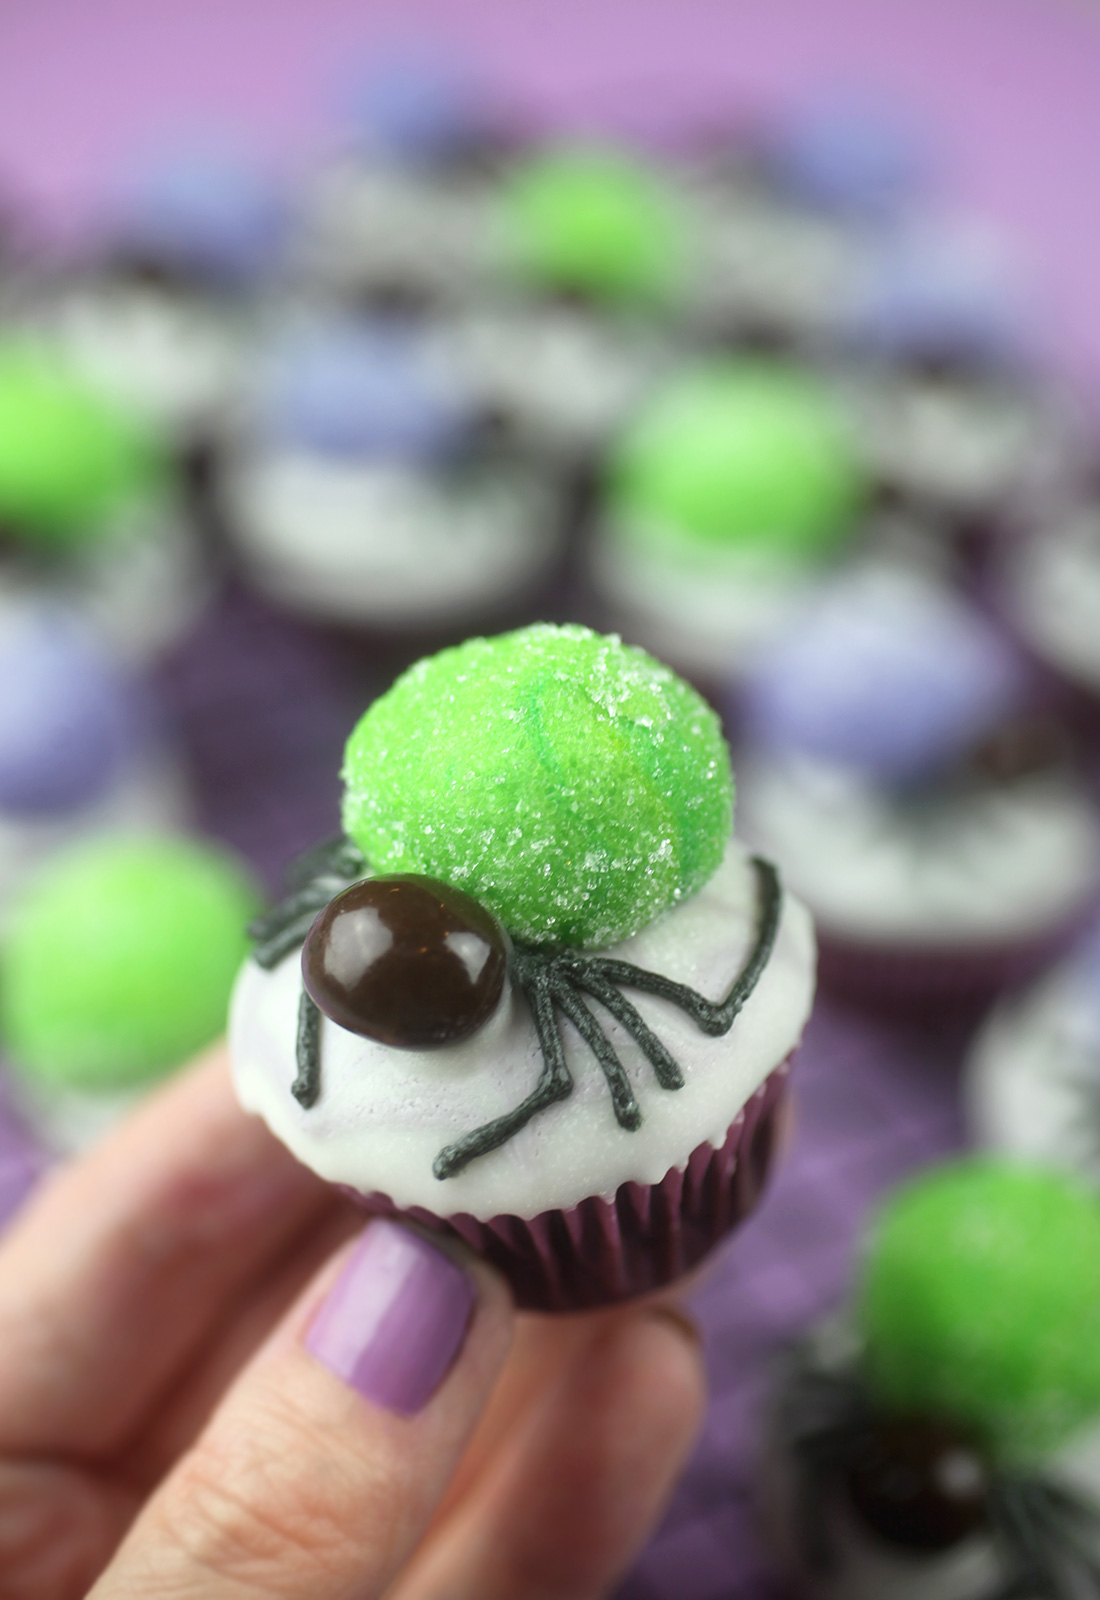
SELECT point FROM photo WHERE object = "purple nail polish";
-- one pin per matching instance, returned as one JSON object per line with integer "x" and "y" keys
{"x": 395, "y": 1319}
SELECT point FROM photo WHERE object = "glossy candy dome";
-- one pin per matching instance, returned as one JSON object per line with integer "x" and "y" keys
{"x": 593, "y": 222}
{"x": 848, "y": 154}
{"x": 120, "y": 959}
{"x": 886, "y": 673}
{"x": 571, "y": 784}
{"x": 980, "y": 1302}
{"x": 204, "y": 213}
{"x": 69, "y": 459}
{"x": 740, "y": 455}
{"x": 68, "y": 718}
{"x": 353, "y": 389}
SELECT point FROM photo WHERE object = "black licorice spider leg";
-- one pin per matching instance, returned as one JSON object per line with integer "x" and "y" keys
{"x": 1050, "y": 1535}
{"x": 553, "y": 978}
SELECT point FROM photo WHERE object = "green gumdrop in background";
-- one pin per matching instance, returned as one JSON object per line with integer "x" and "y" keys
{"x": 740, "y": 455}
{"x": 980, "y": 1300}
{"x": 594, "y": 222}
{"x": 571, "y": 783}
{"x": 69, "y": 459}
{"x": 120, "y": 960}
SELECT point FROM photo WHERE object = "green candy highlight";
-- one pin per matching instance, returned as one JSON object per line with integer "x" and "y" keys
{"x": 740, "y": 455}
{"x": 571, "y": 783}
{"x": 980, "y": 1301}
{"x": 120, "y": 960}
{"x": 593, "y": 222}
{"x": 69, "y": 460}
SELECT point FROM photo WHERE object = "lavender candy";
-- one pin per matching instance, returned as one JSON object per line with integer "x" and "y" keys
{"x": 68, "y": 718}
{"x": 205, "y": 214}
{"x": 360, "y": 389}
{"x": 848, "y": 154}
{"x": 886, "y": 673}
{"x": 421, "y": 109}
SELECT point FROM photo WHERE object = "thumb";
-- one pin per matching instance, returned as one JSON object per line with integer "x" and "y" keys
{"x": 319, "y": 1473}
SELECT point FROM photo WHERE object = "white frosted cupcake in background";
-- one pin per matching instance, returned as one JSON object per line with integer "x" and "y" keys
{"x": 403, "y": 215}
{"x": 939, "y": 1439}
{"x": 951, "y": 409}
{"x": 117, "y": 962}
{"x": 88, "y": 511}
{"x": 903, "y": 767}
{"x": 1031, "y": 1083}
{"x": 79, "y": 749}
{"x": 158, "y": 314}
{"x": 359, "y": 488}
{"x": 726, "y": 501}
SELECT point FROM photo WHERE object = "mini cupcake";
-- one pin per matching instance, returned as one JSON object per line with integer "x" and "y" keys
{"x": 941, "y": 1441}
{"x": 728, "y": 497}
{"x": 117, "y": 968}
{"x": 360, "y": 489}
{"x": 847, "y": 155}
{"x": 1031, "y": 1083}
{"x": 902, "y": 768}
{"x": 79, "y": 752}
{"x": 86, "y": 511}
{"x": 158, "y": 320}
{"x": 403, "y": 216}
{"x": 535, "y": 995}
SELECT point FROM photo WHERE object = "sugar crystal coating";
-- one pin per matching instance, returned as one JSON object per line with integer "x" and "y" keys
{"x": 740, "y": 454}
{"x": 69, "y": 460}
{"x": 980, "y": 1301}
{"x": 120, "y": 959}
{"x": 570, "y": 783}
{"x": 594, "y": 222}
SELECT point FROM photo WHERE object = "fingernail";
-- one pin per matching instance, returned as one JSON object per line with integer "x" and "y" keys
{"x": 395, "y": 1319}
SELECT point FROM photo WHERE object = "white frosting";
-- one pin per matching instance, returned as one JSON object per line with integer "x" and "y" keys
{"x": 173, "y": 360}
{"x": 568, "y": 380}
{"x": 705, "y": 613}
{"x": 385, "y": 1114}
{"x": 368, "y": 224}
{"x": 382, "y": 543}
{"x": 969, "y": 445}
{"x": 988, "y": 867}
{"x": 1051, "y": 587}
{"x": 1032, "y": 1080}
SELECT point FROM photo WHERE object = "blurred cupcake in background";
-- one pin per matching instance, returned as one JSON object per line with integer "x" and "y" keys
{"x": 908, "y": 775}
{"x": 1031, "y": 1083}
{"x": 728, "y": 498}
{"x": 158, "y": 314}
{"x": 80, "y": 751}
{"x": 952, "y": 411}
{"x": 88, "y": 512}
{"x": 847, "y": 154}
{"x": 360, "y": 488}
{"x": 402, "y": 218}
{"x": 939, "y": 1439}
{"x": 117, "y": 967}
{"x": 591, "y": 258}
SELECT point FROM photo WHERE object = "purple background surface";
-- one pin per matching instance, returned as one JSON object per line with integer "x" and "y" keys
{"x": 1008, "y": 89}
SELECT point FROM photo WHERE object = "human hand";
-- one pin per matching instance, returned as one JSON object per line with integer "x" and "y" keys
{"x": 193, "y": 1401}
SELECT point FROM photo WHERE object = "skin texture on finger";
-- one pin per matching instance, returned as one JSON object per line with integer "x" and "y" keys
{"x": 113, "y": 1275}
{"x": 569, "y": 1499}
{"x": 301, "y": 1489}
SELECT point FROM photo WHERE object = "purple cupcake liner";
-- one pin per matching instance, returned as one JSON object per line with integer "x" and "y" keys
{"x": 917, "y": 983}
{"x": 604, "y": 1251}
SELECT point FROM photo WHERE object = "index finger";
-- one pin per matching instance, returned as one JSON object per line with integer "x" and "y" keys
{"x": 112, "y": 1275}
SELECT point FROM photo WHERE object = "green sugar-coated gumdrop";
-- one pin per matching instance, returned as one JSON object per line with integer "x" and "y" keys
{"x": 740, "y": 455}
{"x": 980, "y": 1301}
{"x": 570, "y": 783}
{"x": 120, "y": 959}
{"x": 593, "y": 222}
{"x": 69, "y": 459}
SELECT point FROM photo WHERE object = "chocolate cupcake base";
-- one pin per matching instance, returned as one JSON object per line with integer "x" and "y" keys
{"x": 604, "y": 1251}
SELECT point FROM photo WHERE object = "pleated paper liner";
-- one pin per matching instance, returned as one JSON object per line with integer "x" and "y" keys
{"x": 603, "y": 1251}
